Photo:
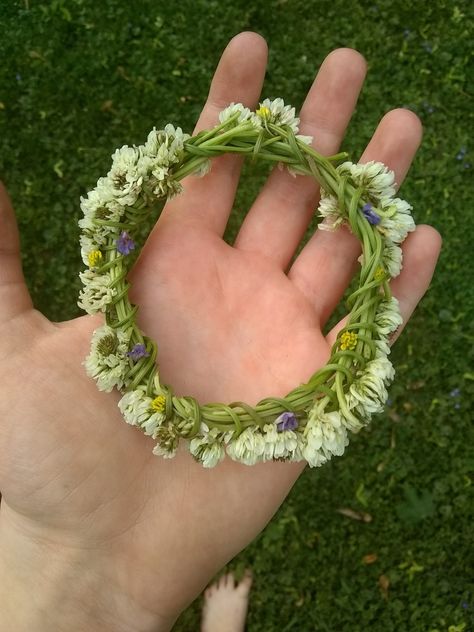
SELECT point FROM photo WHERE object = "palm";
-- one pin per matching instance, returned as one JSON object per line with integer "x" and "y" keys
{"x": 230, "y": 325}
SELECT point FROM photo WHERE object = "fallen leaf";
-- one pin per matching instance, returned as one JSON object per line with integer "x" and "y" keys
{"x": 370, "y": 558}
{"x": 363, "y": 516}
{"x": 384, "y": 584}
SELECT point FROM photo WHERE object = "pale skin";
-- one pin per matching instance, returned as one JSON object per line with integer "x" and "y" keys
{"x": 97, "y": 533}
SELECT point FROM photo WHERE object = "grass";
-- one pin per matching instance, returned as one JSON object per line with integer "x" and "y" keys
{"x": 80, "y": 78}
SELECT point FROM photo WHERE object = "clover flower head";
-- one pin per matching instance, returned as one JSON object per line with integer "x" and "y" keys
{"x": 348, "y": 341}
{"x": 326, "y": 436}
{"x": 374, "y": 177}
{"x": 281, "y": 444}
{"x": 275, "y": 111}
{"x": 231, "y": 110}
{"x": 96, "y": 293}
{"x": 392, "y": 258}
{"x": 208, "y": 449}
{"x": 107, "y": 361}
{"x": 137, "y": 410}
{"x": 248, "y": 448}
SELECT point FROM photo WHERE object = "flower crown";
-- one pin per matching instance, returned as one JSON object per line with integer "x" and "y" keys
{"x": 312, "y": 422}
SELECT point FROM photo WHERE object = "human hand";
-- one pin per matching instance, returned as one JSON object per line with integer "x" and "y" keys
{"x": 84, "y": 500}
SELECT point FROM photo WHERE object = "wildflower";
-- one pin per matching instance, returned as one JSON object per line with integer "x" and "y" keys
{"x": 94, "y": 258}
{"x": 275, "y": 111}
{"x": 329, "y": 210}
{"x": 370, "y": 215}
{"x": 348, "y": 341}
{"x": 325, "y": 436}
{"x": 285, "y": 444}
{"x": 168, "y": 440}
{"x": 388, "y": 317}
{"x": 107, "y": 362}
{"x": 208, "y": 449}
{"x": 399, "y": 223}
{"x": 286, "y": 421}
{"x": 248, "y": 448}
{"x": 244, "y": 113}
{"x": 368, "y": 393}
{"x": 135, "y": 407}
{"x": 125, "y": 243}
{"x": 374, "y": 177}
{"x": 158, "y": 405}
{"x": 392, "y": 258}
{"x": 138, "y": 351}
{"x": 96, "y": 293}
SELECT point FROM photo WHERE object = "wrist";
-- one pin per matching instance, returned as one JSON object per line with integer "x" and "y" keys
{"x": 47, "y": 586}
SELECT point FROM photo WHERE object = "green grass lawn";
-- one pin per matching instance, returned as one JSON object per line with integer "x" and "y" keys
{"x": 79, "y": 78}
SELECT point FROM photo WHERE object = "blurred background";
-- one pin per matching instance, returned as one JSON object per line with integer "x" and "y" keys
{"x": 381, "y": 539}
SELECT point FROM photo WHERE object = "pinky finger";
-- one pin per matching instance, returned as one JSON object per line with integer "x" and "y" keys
{"x": 420, "y": 253}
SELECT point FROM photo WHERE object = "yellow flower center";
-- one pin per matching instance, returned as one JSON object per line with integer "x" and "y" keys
{"x": 94, "y": 258}
{"x": 263, "y": 112}
{"x": 158, "y": 404}
{"x": 348, "y": 341}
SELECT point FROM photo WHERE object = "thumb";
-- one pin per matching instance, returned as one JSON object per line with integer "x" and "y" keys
{"x": 14, "y": 295}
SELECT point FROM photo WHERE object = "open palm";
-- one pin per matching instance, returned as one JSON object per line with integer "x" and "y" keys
{"x": 232, "y": 323}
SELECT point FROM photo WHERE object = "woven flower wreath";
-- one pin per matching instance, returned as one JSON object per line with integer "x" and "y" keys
{"x": 313, "y": 421}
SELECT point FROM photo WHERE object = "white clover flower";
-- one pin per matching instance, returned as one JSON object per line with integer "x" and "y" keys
{"x": 388, "y": 317}
{"x": 125, "y": 178}
{"x": 275, "y": 111}
{"x": 374, "y": 177}
{"x": 162, "y": 150}
{"x": 392, "y": 258}
{"x": 368, "y": 393}
{"x": 107, "y": 361}
{"x": 244, "y": 113}
{"x": 382, "y": 348}
{"x": 399, "y": 223}
{"x": 96, "y": 293}
{"x": 286, "y": 444}
{"x": 137, "y": 410}
{"x": 100, "y": 204}
{"x": 325, "y": 436}
{"x": 208, "y": 449}
{"x": 248, "y": 448}
{"x": 329, "y": 211}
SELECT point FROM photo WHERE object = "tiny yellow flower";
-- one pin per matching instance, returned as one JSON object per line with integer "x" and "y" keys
{"x": 158, "y": 404}
{"x": 348, "y": 341}
{"x": 94, "y": 258}
{"x": 263, "y": 112}
{"x": 379, "y": 273}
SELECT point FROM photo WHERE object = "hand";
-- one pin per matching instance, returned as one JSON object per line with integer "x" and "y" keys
{"x": 81, "y": 489}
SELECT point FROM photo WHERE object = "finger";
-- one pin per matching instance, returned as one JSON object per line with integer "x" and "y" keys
{"x": 420, "y": 253}
{"x": 281, "y": 213}
{"x": 14, "y": 296}
{"x": 238, "y": 78}
{"x": 325, "y": 266}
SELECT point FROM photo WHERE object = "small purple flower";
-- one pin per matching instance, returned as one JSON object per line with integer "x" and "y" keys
{"x": 370, "y": 215}
{"x": 125, "y": 243}
{"x": 286, "y": 421}
{"x": 456, "y": 392}
{"x": 138, "y": 351}
{"x": 461, "y": 153}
